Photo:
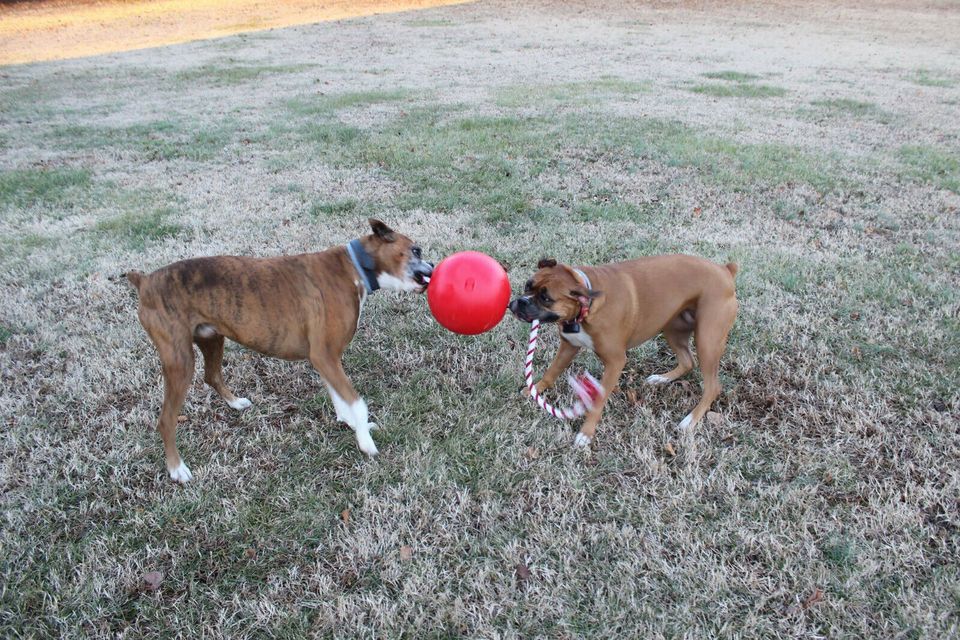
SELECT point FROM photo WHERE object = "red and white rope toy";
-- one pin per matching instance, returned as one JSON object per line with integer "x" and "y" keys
{"x": 586, "y": 387}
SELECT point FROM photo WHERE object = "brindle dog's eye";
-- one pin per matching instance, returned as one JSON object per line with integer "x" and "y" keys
{"x": 528, "y": 286}
{"x": 544, "y": 297}
{"x": 416, "y": 252}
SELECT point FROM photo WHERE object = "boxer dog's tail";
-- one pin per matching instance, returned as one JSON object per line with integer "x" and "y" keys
{"x": 732, "y": 268}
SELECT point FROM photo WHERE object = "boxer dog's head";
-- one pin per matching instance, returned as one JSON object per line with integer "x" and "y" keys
{"x": 553, "y": 294}
{"x": 398, "y": 261}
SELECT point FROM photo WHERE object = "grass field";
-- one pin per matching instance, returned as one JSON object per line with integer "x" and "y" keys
{"x": 817, "y": 148}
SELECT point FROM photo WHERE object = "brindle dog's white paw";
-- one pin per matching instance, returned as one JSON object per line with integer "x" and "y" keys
{"x": 365, "y": 443}
{"x": 372, "y": 426}
{"x": 240, "y": 404}
{"x": 181, "y": 474}
{"x": 657, "y": 379}
{"x": 581, "y": 441}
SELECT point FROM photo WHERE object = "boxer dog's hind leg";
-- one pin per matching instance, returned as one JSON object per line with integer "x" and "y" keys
{"x": 715, "y": 320}
{"x": 679, "y": 341}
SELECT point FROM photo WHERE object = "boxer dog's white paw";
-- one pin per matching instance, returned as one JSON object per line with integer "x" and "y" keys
{"x": 372, "y": 426}
{"x": 239, "y": 404}
{"x": 685, "y": 423}
{"x": 181, "y": 474}
{"x": 365, "y": 442}
{"x": 657, "y": 379}
{"x": 581, "y": 441}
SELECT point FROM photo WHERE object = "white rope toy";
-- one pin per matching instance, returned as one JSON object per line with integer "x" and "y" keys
{"x": 586, "y": 387}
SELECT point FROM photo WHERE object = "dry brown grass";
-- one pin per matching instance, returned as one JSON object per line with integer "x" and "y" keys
{"x": 822, "y": 502}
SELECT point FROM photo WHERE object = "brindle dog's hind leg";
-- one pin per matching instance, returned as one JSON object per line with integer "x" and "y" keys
{"x": 212, "y": 349}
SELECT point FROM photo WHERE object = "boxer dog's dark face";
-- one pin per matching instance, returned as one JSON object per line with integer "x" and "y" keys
{"x": 399, "y": 262}
{"x": 553, "y": 294}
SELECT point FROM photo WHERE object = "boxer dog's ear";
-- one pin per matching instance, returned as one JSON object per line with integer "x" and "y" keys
{"x": 546, "y": 262}
{"x": 589, "y": 295}
{"x": 382, "y": 231}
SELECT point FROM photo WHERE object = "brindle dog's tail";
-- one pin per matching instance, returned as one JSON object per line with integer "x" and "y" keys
{"x": 135, "y": 278}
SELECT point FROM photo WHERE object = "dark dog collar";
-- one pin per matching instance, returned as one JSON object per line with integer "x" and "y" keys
{"x": 364, "y": 264}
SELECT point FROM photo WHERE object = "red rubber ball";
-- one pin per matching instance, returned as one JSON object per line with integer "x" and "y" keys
{"x": 468, "y": 293}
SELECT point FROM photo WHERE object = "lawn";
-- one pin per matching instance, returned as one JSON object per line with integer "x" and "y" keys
{"x": 821, "y": 498}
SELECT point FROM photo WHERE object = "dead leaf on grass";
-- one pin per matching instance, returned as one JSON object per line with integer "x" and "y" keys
{"x": 714, "y": 418}
{"x": 152, "y": 580}
{"x": 523, "y": 572}
{"x": 181, "y": 419}
{"x": 406, "y": 552}
{"x": 532, "y": 453}
{"x": 345, "y": 516}
{"x": 668, "y": 448}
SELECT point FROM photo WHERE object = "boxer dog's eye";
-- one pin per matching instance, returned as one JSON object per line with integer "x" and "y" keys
{"x": 416, "y": 252}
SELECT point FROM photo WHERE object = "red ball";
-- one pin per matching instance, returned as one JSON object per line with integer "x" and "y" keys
{"x": 468, "y": 293}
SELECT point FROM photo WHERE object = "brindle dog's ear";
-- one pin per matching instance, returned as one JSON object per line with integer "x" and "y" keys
{"x": 546, "y": 262}
{"x": 382, "y": 231}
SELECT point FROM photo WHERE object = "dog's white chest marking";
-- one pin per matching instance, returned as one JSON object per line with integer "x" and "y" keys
{"x": 581, "y": 339}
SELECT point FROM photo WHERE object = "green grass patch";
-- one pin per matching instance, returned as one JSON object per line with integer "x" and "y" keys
{"x": 931, "y": 165}
{"x": 161, "y": 140}
{"x": 927, "y": 78}
{"x": 847, "y": 106}
{"x": 325, "y": 104}
{"x": 136, "y": 230}
{"x": 489, "y": 164}
{"x": 226, "y": 75}
{"x": 731, "y": 76}
{"x": 29, "y": 187}
{"x": 333, "y": 208}
{"x": 739, "y": 90}
{"x": 577, "y": 93}
{"x": 5, "y": 334}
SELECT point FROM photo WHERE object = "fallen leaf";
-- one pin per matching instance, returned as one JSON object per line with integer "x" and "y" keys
{"x": 152, "y": 580}
{"x": 251, "y": 553}
{"x": 523, "y": 571}
{"x": 345, "y": 516}
{"x": 670, "y": 450}
{"x": 714, "y": 418}
{"x": 813, "y": 599}
{"x": 632, "y": 396}
{"x": 406, "y": 552}
{"x": 533, "y": 453}
{"x": 697, "y": 211}
{"x": 181, "y": 419}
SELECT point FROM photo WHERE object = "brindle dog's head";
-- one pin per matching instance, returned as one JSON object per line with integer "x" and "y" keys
{"x": 553, "y": 294}
{"x": 398, "y": 261}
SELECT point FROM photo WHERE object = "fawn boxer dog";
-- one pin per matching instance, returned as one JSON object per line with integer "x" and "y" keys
{"x": 615, "y": 307}
{"x": 293, "y": 307}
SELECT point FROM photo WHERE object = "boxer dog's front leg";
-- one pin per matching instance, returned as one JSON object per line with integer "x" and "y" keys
{"x": 561, "y": 361}
{"x": 613, "y": 363}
